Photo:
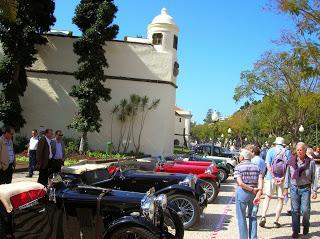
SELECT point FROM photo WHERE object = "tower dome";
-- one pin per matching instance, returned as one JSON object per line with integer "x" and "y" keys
{"x": 163, "y": 18}
{"x": 163, "y": 32}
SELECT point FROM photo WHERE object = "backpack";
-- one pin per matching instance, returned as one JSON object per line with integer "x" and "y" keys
{"x": 279, "y": 163}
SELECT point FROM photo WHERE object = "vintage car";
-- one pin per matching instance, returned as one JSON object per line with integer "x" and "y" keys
{"x": 226, "y": 166}
{"x": 183, "y": 191}
{"x": 29, "y": 210}
{"x": 213, "y": 150}
{"x": 208, "y": 174}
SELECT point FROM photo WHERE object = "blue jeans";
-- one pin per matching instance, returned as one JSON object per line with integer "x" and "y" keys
{"x": 32, "y": 161}
{"x": 244, "y": 200}
{"x": 300, "y": 204}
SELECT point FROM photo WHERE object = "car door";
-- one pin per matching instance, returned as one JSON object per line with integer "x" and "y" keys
{"x": 32, "y": 220}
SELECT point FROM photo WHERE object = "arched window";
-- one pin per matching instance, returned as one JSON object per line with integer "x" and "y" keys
{"x": 157, "y": 39}
{"x": 175, "y": 42}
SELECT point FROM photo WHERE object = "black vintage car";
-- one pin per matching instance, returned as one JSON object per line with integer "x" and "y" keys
{"x": 183, "y": 191}
{"x": 213, "y": 150}
{"x": 28, "y": 211}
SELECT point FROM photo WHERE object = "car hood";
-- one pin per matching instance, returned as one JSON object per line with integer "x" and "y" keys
{"x": 156, "y": 176}
{"x": 115, "y": 199}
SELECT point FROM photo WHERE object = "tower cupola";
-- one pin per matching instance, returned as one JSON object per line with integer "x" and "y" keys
{"x": 163, "y": 32}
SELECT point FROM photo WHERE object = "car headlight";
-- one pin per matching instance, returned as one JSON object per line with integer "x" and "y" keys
{"x": 148, "y": 206}
{"x": 209, "y": 170}
{"x": 189, "y": 181}
{"x": 161, "y": 201}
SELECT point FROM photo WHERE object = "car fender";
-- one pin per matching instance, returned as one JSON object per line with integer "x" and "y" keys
{"x": 207, "y": 176}
{"x": 176, "y": 188}
{"x": 130, "y": 221}
{"x": 224, "y": 167}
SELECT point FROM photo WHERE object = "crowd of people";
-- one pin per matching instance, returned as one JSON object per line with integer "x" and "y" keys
{"x": 277, "y": 172}
{"x": 46, "y": 152}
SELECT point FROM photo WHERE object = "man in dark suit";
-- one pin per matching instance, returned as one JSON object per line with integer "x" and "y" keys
{"x": 44, "y": 155}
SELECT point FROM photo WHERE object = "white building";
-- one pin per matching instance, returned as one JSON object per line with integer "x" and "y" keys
{"x": 136, "y": 66}
{"x": 182, "y": 127}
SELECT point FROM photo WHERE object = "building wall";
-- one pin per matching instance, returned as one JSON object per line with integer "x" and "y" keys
{"x": 178, "y": 131}
{"x": 134, "y": 69}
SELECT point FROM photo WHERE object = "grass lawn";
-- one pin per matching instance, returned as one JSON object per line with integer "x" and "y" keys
{"x": 180, "y": 150}
{"x": 75, "y": 158}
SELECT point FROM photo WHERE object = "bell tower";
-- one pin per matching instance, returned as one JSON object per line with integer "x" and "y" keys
{"x": 163, "y": 34}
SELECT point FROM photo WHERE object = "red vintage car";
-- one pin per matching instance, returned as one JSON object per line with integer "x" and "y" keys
{"x": 209, "y": 174}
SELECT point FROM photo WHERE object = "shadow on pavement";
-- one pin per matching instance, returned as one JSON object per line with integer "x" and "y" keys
{"x": 209, "y": 223}
{"x": 310, "y": 235}
{"x": 227, "y": 188}
{"x": 223, "y": 200}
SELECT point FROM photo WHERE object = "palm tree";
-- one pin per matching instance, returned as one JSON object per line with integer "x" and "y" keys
{"x": 8, "y": 10}
{"x": 145, "y": 109}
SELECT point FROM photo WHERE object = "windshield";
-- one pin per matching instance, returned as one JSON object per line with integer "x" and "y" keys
{"x": 95, "y": 176}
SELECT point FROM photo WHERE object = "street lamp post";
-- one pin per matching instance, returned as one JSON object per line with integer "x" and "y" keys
{"x": 301, "y": 129}
{"x": 214, "y": 118}
{"x": 229, "y": 135}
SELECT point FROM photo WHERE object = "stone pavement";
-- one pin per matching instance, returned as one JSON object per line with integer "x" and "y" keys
{"x": 219, "y": 222}
{"x": 219, "y": 219}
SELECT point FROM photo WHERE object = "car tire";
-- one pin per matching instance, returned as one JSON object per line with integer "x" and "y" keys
{"x": 212, "y": 186}
{"x": 129, "y": 231}
{"x": 223, "y": 175}
{"x": 183, "y": 203}
{"x": 173, "y": 223}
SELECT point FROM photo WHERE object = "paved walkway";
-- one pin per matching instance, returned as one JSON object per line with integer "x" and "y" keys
{"x": 218, "y": 220}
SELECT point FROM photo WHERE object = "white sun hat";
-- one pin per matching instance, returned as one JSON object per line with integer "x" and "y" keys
{"x": 279, "y": 140}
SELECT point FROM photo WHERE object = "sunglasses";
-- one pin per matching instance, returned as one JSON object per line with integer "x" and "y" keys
{"x": 60, "y": 135}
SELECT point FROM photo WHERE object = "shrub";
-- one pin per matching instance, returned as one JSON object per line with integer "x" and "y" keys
{"x": 20, "y": 143}
{"x": 71, "y": 146}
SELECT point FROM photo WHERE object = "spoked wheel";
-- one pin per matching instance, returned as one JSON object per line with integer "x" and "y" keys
{"x": 188, "y": 207}
{"x": 223, "y": 175}
{"x": 211, "y": 189}
{"x": 132, "y": 233}
{"x": 173, "y": 224}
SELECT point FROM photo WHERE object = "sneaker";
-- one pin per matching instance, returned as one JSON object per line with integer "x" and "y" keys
{"x": 305, "y": 230}
{"x": 295, "y": 235}
{"x": 276, "y": 225}
{"x": 29, "y": 176}
{"x": 262, "y": 222}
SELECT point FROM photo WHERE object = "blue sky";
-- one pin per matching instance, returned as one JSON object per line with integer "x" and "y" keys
{"x": 217, "y": 40}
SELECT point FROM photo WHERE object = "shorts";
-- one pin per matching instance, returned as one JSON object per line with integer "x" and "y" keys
{"x": 270, "y": 188}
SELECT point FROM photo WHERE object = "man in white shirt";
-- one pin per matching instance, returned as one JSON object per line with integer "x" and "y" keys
{"x": 58, "y": 151}
{"x": 32, "y": 152}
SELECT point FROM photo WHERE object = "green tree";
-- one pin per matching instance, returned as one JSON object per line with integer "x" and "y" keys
{"x": 290, "y": 80}
{"x": 208, "y": 118}
{"x": 94, "y": 19}
{"x": 18, "y": 40}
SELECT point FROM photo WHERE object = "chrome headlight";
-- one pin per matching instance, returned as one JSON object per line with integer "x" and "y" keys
{"x": 209, "y": 170}
{"x": 189, "y": 181}
{"x": 161, "y": 201}
{"x": 148, "y": 206}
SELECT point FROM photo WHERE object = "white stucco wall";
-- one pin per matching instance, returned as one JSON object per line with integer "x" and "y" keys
{"x": 185, "y": 123}
{"x": 178, "y": 131}
{"x": 47, "y": 103}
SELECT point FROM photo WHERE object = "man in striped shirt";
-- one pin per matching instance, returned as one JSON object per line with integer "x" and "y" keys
{"x": 250, "y": 183}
